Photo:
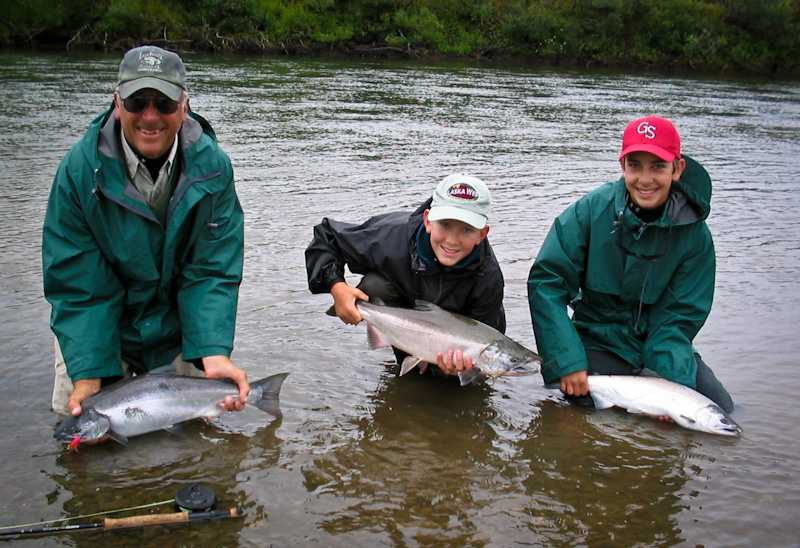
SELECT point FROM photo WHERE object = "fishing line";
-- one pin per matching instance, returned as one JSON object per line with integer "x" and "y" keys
{"x": 87, "y": 515}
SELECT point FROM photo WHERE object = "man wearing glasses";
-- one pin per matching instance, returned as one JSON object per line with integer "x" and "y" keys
{"x": 635, "y": 261}
{"x": 142, "y": 245}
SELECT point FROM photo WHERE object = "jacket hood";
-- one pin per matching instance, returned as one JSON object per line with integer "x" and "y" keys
{"x": 689, "y": 199}
{"x": 692, "y": 201}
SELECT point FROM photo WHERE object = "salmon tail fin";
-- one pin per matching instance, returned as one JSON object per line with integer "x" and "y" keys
{"x": 267, "y": 392}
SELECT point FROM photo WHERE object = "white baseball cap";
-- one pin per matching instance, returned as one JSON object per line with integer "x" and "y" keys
{"x": 462, "y": 198}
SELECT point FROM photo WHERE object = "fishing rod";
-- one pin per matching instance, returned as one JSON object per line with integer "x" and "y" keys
{"x": 195, "y": 502}
{"x": 128, "y": 523}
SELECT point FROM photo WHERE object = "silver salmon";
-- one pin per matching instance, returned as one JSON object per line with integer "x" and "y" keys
{"x": 427, "y": 329}
{"x": 151, "y": 402}
{"x": 658, "y": 397}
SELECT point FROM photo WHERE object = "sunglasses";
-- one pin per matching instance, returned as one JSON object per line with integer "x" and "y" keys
{"x": 137, "y": 103}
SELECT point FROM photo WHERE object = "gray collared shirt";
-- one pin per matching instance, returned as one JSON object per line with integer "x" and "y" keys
{"x": 138, "y": 173}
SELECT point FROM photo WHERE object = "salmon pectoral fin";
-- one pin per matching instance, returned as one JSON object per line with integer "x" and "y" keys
{"x": 175, "y": 430}
{"x": 600, "y": 402}
{"x": 117, "y": 437}
{"x": 410, "y": 363}
{"x": 376, "y": 339}
{"x": 472, "y": 376}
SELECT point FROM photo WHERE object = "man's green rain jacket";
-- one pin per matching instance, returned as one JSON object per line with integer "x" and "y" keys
{"x": 647, "y": 308}
{"x": 121, "y": 284}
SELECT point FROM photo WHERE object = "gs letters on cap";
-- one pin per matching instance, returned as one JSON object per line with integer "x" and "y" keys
{"x": 652, "y": 134}
{"x": 151, "y": 67}
{"x": 462, "y": 198}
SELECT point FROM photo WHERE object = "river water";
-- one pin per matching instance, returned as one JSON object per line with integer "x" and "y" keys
{"x": 363, "y": 457}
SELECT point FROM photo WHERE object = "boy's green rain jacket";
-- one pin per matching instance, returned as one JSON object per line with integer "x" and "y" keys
{"x": 646, "y": 310}
{"x": 121, "y": 285}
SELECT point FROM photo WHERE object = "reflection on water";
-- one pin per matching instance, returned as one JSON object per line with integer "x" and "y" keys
{"x": 411, "y": 470}
{"x": 605, "y": 481}
{"x": 363, "y": 457}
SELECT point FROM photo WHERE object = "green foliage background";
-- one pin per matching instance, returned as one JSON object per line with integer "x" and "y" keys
{"x": 744, "y": 36}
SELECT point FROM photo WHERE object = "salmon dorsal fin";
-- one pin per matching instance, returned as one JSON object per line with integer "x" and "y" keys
{"x": 168, "y": 369}
{"x": 425, "y": 306}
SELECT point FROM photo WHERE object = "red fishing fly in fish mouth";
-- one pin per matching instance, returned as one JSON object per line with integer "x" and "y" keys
{"x": 74, "y": 443}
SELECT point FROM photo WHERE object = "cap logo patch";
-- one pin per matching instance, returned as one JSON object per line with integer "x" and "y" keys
{"x": 463, "y": 192}
{"x": 649, "y": 131}
{"x": 150, "y": 62}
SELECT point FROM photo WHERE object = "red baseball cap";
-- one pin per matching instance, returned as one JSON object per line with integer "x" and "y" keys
{"x": 652, "y": 134}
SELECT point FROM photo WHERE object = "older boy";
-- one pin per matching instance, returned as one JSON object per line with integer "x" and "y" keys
{"x": 438, "y": 253}
{"x": 635, "y": 260}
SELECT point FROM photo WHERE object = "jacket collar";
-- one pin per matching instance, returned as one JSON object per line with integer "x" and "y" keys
{"x": 428, "y": 257}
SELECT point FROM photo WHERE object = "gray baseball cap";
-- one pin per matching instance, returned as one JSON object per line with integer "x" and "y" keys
{"x": 151, "y": 67}
{"x": 462, "y": 198}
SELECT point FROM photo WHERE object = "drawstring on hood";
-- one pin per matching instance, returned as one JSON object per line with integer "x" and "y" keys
{"x": 618, "y": 228}
{"x": 212, "y": 224}
{"x": 647, "y": 216}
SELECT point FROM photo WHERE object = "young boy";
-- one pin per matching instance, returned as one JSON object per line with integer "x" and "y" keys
{"x": 635, "y": 260}
{"x": 438, "y": 253}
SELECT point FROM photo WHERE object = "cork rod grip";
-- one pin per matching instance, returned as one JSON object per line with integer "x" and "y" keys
{"x": 161, "y": 519}
{"x": 143, "y": 521}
